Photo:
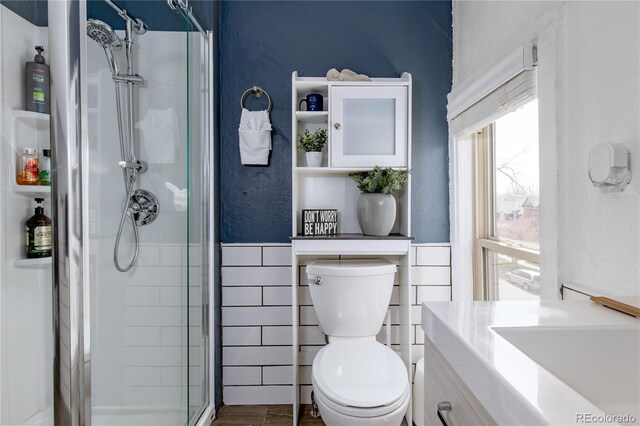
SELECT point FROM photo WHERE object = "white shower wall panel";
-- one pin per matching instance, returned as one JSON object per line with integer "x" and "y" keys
{"x": 26, "y": 346}
{"x": 139, "y": 318}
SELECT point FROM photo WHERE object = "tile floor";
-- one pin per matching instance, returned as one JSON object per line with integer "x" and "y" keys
{"x": 249, "y": 415}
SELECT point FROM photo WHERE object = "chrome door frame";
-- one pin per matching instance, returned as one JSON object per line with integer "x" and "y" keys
{"x": 69, "y": 148}
{"x": 206, "y": 413}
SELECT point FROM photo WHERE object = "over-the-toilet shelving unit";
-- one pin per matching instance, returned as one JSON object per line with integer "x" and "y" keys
{"x": 381, "y": 109}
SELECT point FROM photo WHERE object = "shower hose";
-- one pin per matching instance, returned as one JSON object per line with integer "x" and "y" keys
{"x": 125, "y": 214}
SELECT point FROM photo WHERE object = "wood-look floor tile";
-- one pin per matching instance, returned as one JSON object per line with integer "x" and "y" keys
{"x": 248, "y": 415}
{"x": 268, "y": 415}
{"x": 279, "y": 415}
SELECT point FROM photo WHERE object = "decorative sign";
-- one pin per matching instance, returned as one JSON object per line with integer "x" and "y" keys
{"x": 321, "y": 222}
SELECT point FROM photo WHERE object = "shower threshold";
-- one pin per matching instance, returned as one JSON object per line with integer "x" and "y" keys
{"x": 121, "y": 416}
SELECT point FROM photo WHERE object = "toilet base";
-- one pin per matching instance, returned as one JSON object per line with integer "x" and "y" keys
{"x": 333, "y": 418}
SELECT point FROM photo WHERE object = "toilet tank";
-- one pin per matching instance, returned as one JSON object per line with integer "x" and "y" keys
{"x": 351, "y": 297}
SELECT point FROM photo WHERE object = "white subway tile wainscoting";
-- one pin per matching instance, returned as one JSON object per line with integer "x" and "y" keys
{"x": 156, "y": 314}
{"x": 256, "y": 319}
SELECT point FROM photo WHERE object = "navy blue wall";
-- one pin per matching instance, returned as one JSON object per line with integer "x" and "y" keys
{"x": 263, "y": 42}
{"x": 155, "y": 13}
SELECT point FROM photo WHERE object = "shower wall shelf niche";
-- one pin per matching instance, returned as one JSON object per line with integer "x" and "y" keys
{"x": 41, "y": 262}
{"x": 28, "y": 130}
{"x": 32, "y": 189}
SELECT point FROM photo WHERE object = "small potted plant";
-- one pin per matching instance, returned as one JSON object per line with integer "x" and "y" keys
{"x": 376, "y": 205}
{"x": 312, "y": 144}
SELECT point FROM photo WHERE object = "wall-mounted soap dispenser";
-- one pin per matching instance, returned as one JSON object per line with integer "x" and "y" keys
{"x": 609, "y": 166}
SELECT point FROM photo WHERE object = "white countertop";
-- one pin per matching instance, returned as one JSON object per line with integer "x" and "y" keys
{"x": 512, "y": 387}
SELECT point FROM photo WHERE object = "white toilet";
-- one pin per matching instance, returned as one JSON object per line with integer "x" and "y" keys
{"x": 356, "y": 380}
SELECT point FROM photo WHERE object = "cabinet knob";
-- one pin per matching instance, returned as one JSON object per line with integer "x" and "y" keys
{"x": 338, "y": 126}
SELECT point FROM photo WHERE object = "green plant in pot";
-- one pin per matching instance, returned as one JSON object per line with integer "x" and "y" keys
{"x": 377, "y": 206}
{"x": 312, "y": 144}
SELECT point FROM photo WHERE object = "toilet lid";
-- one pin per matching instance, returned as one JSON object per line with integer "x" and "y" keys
{"x": 360, "y": 373}
{"x": 351, "y": 268}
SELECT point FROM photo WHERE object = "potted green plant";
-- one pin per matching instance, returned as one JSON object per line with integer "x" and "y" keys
{"x": 312, "y": 144}
{"x": 376, "y": 206}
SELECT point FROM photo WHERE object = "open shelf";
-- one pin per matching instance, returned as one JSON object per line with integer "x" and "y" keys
{"x": 40, "y": 262}
{"x": 22, "y": 114}
{"x": 352, "y": 236}
{"x": 318, "y": 83}
{"x": 336, "y": 170}
{"x": 316, "y": 117}
{"x": 32, "y": 189}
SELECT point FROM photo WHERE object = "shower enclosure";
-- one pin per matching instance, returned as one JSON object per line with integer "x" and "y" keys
{"x": 132, "y": 205}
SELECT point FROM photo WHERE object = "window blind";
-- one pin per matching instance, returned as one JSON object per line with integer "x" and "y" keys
{"x": 509, "y": 96}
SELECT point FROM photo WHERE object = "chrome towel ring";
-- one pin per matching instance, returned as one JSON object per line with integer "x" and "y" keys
{"x": 257, "y": 92}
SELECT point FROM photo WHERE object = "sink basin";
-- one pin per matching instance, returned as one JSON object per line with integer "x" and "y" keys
{"x": 600, "y": 363}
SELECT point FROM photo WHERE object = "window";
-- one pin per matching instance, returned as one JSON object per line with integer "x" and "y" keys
{"x": 488, "y": 239}
{"x": 506, "y": 207}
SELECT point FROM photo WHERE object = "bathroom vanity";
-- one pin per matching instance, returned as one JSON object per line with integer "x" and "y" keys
{"x": 368, "y": 124}
{"x": 548, "y": 362}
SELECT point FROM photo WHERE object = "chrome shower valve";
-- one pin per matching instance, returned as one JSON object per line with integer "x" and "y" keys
{"x": 143, "y": 207}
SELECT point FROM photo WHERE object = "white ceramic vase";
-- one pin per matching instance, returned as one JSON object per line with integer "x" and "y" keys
{"x": 376, "y": 213}
{"x": 314, "y": 159}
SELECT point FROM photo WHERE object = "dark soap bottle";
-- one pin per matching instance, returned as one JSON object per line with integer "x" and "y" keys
{"x": 36, "y": 84}
{"x": 38, "y": 233}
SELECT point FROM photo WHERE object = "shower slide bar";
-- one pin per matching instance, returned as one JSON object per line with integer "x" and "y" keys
{"x": 138, "y": 26}
{"x": 183, "y": 6}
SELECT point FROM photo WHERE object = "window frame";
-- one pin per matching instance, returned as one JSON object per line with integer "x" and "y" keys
{"x": 483, "y": 154}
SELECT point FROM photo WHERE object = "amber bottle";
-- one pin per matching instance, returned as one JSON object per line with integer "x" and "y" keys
{"x": 38, "y": 233}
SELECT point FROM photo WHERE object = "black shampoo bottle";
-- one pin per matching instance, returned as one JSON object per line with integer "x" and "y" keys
{"x": 36, "y": 84}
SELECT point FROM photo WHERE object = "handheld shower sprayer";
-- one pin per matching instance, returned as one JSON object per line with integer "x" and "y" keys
{"x": 107, "y": 38}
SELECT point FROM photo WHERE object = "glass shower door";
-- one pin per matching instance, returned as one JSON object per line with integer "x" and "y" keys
{"x": 148, "y": 330}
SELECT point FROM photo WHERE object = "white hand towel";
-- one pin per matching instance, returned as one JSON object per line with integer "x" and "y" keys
{"x": 255, "y": 137}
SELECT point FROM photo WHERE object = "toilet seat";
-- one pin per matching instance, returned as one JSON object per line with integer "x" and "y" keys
{"x": 360, "y": 378}
{"x": 355, "y": 412}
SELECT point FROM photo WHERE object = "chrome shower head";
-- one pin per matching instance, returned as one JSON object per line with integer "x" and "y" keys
{"x": 107, "y": 38}
{"x": 103, "y": 34}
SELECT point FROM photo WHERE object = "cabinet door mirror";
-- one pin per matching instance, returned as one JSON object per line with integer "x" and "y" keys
{"x": 369, "y": 126}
